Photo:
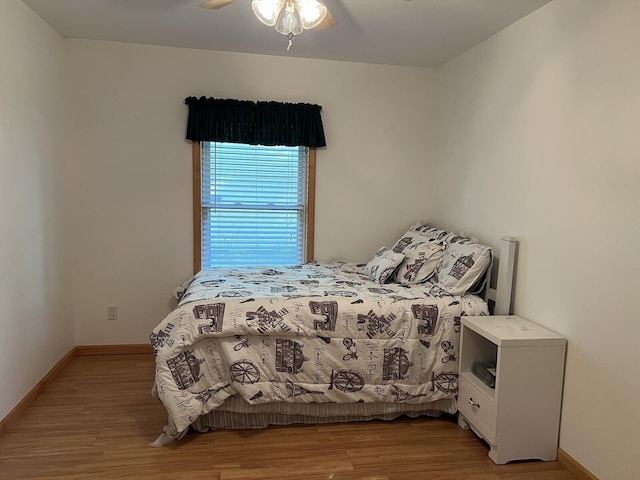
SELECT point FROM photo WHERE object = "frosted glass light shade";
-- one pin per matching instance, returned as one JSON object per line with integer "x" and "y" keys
{"x": 312, "y": 13}
{"x": 289, "y": 20}
{"x": 267, "y": 10}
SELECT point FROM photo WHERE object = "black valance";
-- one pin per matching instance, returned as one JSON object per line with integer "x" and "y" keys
{"x": 254, "y": 123}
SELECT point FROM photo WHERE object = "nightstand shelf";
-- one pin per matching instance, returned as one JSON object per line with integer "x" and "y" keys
{"x": 520, "y": 417}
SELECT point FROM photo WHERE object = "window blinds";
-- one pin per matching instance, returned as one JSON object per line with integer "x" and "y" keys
{"x": 253, "y": 204}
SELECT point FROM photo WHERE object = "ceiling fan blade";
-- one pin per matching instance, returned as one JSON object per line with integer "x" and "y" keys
{"x": 328, "y": 22}
{"x": 216, "y": 3}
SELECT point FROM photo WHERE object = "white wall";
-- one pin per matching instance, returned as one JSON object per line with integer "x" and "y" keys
{"x": 130, "y": 167}
{"x": 538, "y": 138}
{"x": 36, "y": 328}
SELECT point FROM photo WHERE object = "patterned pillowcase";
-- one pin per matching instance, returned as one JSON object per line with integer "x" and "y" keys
{"x": 463, "y": 263}
{"x": 383, "y": 264}
{"x": 420, "y": 262}
{"x": 419, "y": 233}
{"x": 451, "y": 238}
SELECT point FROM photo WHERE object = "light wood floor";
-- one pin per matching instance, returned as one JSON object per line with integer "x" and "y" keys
{"x": 96, "y": 419}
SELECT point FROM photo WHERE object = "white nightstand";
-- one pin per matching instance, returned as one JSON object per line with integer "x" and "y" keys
{"x": 520, "y": 417}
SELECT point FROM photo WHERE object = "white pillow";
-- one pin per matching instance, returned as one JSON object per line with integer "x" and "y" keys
{"x": 383, "y": 264}
{"x": 461, "y": 266}
{"x": 421, "y": 260}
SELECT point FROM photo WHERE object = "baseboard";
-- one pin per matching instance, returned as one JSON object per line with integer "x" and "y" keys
{"x": 35, "y": 391}
{"x": 134, "y": 349}
{"x": 570, "y": 463}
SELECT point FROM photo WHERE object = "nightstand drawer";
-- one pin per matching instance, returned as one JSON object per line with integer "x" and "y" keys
{"x": 477, "y": 406}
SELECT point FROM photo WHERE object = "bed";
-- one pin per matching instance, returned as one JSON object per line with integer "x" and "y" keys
{"x": 326, "y": 342}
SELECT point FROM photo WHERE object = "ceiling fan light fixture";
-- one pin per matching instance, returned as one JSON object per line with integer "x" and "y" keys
{"x": 290, "y": 16}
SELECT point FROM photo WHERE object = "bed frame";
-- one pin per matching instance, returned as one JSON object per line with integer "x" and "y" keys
{"x": 501, "y": 296}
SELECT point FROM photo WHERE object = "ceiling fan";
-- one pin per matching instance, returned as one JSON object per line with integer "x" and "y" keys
{"x": 289, "y": 17}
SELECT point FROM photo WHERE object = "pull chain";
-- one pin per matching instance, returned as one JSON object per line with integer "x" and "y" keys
{"x": 290, "y": 37}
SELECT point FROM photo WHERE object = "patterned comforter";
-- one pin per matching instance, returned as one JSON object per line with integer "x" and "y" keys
{"x": 309, "y": 333}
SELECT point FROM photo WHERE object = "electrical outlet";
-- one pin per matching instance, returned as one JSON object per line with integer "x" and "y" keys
{"x": 112, "y": 312}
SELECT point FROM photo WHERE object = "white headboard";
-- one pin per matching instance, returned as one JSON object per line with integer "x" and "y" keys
{"x": 502, "y": 294}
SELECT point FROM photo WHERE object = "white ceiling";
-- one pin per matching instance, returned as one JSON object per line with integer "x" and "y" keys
{"x": 421, "y": 33}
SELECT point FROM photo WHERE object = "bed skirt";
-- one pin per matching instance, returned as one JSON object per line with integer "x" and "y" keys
{"x": 238, "y": 414}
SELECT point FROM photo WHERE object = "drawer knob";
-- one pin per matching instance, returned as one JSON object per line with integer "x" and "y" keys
{"x": 473, "y": 404}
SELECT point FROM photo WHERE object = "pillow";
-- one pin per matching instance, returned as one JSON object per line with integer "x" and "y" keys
{"x": 451, "y": 238}
{"x": 383, "y": 264}
{"x": 461, "y": 266}
{"x": 428, "y": 231}
{"x": 420, "y": 261}
{"x": 419, "y": 232}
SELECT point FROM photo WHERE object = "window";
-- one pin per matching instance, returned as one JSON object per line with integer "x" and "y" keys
{"x": 253, "y": 204}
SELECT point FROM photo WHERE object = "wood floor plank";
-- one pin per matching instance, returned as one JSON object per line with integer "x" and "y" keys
{"x": 95, "y": 420}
